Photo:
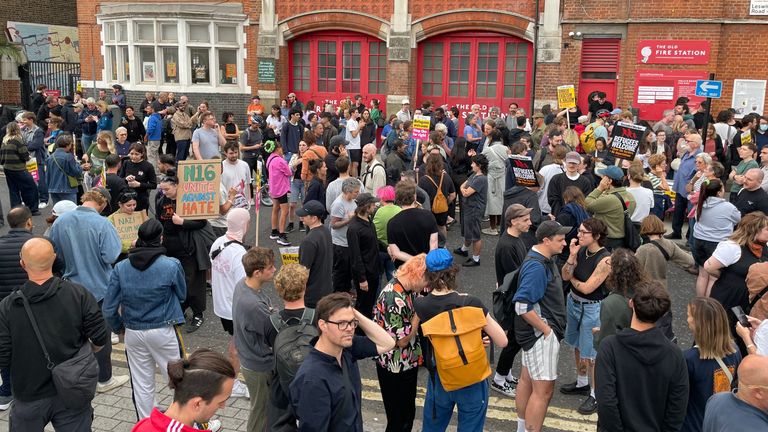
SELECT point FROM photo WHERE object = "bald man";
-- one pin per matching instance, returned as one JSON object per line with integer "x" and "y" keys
{"x": 752, "y": 197}
{"x": 68, "y": 316}
{"x": 745, "y": 409}
{"x": 375, "y": 174}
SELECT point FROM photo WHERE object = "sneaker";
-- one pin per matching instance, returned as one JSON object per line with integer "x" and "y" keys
{"x": 195, "y": 324}
{"x": 589, "y": 406}
{"x": 290, "y": 227}
{"x": 212, "y": 425}
{"x": 511, "y": 380}
{"x": 673, "y": 236}
{"x": 115, "y": 339}
{"x": 471, "y": 263}
{"x": 463, "y": 253}
{"x": 240, "y": 390}
{"x": 282, "y": 240}
{"x": 5, "y": 402}
{"x": 489, "y": 231}
{"x": 572, "y": 389}
{"x": 113, "y": 383}
{"x": 274, "y": 235}
{"x": 42, "y": 205}
{"x": 504, "y": 389}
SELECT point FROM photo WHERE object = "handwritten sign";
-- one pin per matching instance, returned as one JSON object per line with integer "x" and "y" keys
{"x": 522, "y": 167}
{"x": 289, "y": 255}
{"x": 626, "y": 140}
{"x": 421, "y": 127}
{"x": 127, "y": 225}
{"x": 566, "y": 96}
{"x": 199, "y": 192}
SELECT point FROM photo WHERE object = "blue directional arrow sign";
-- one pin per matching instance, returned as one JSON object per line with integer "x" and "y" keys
{"x": 709, "y": 89}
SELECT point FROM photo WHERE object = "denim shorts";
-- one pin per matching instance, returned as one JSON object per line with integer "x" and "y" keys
{"x": 297, "y": 191}
{"x": 578, "y": 329}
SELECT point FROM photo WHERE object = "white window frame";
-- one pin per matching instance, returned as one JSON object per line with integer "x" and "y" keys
{"x": 184, "y": 71}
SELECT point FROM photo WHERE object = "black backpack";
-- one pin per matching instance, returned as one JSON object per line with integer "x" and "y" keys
{"x": 631, "y": 234}
{"x": 292, "y": 344}
{"x": 503, "y": 303}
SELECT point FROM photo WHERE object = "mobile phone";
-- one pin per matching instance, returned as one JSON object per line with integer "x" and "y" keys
{"x": 741, "y": 316}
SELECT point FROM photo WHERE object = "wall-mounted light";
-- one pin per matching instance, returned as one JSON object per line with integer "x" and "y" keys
{"x": 575, "y": 35}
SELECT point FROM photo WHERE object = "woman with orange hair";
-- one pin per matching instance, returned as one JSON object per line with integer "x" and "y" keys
{"x": 397, "y": 369}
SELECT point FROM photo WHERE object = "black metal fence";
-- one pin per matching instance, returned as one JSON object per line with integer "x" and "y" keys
{"x": 61, "y": 76}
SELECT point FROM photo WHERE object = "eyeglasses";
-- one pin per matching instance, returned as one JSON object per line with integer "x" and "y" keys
{"x": 345, "y": 325}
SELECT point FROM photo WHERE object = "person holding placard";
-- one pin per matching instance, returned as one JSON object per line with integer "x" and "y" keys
{"x": 127, "y": 220}
{"x": 140, "y": 174}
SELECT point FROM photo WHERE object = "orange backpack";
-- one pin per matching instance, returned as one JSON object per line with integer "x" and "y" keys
{"x": 457, "y": 344}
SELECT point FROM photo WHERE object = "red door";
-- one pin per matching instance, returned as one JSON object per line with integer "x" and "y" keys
{"x": 462, "y": 69}
{"x": 330, "y": 67}
{"x": 599, "y": 70}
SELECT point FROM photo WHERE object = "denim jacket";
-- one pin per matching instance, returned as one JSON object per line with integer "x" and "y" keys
{"x": 145, "y": 299}
{"x": 60, "y": 165}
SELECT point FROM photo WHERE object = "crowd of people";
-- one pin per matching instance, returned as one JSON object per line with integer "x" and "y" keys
{"x": 581, "y": 258}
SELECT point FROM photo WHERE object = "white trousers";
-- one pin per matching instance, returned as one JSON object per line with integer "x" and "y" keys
{"x": 145, "y": 350}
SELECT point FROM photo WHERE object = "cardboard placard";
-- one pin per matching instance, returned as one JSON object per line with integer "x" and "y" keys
{"x": 626, "y": 140}
{"x": 421, "y": 127}
{"x": 289, "y": 255}
{"x": 522, "y": 167}
{"x": 127, "y": 226}
{"x": 566, "y": 97}
{"x": 199, "y": 192}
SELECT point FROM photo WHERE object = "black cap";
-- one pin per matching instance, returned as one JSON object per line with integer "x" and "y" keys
{"x": 365, "y": 199}
{"x": 551, "y": 228}
{"x": 311, "y": 208}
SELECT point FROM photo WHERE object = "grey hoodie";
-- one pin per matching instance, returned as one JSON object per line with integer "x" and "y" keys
{"x": 718, "y": 217}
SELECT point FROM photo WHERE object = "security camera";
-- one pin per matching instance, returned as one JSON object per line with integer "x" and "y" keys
{"x": 571, "y": 34}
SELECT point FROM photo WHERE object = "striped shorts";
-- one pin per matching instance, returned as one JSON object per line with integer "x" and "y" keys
{"x": 541, "y": 359}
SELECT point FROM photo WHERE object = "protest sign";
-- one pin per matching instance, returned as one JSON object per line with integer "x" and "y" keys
{"x": 626, "y": 140}
{"x": 566, "y": 97}
{"x": 289, "y": 255}
{"x": 198, "y": 193}
{"x": 127, "y": 225}
{"x": 421, "y": 127}
{"x": 522, "y": 167}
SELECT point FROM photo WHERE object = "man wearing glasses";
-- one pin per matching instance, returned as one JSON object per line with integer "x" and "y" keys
{"x": 326, "y": 392}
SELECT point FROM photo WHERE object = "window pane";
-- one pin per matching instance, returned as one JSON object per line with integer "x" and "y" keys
{"x": 199, "y": 33}
{"x": 122, "y": 31}
{"x": 227, "y": 34}
{"x": 126, "y": 73}
{"x": 228, "y": 66}
{"x": 145, "y": 32}
{"x": 147, "y": 61}
{"x": 112, "y": 59}
{"x": 170, "y": 64}
{"x": 169, "y": 32}
{"x": 109, "y": 31}
{"x": 200, "y": 65}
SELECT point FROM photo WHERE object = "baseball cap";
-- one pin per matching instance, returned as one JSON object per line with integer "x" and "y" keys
{"x": 104, "y": 192}
{"x": 583, "y": 119}
{"x": 337, "y": 140}
{"x": 64, "y": 206}
{"x": 572, "y": 157}
{"x": 257, "y": 119}
{"x": 616, "y": 111}
{"x": 551, "y": 228}
{"x": 311, "y": 208}
{"x": 256, "y": 97}
{"x": 515, "y": 211}
{"x": 612, "y": 171}
{"x": 406, "y": 101}
{"x": 438, "y": 259}
{"x": 365, "y": 199}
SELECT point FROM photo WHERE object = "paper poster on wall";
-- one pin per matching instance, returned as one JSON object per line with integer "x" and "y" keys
{"x": 231, "y": 70}
{"x": 657, "y": 90}
{"x": 148, "y": 71}
{"x": 748, "y": 96}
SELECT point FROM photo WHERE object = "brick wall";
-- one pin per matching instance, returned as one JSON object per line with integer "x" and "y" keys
{"x": 381, "y": 9}
{"x": 218, "y": 103}
{"x": 421, "y": 9}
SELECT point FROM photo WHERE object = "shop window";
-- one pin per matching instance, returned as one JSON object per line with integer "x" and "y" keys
{"x": 199, "y": 33}
{"x": 145, "y": 32}
{"x": 227, "y": 34}
{"x": 487, "y": 69}
{"x": 432, "y": 69}
{"x": 122, "y": 31}
{"x": 109, "y": 32}
{"x": 200, "y": 65}
{"x": 458, "y": 81}
{"x": 515, "y": 69}
{"x": 326, "y": 66}
{"x": 301, "y": 67}
{"x": 377, "y": 67}
{"x": 124, "y": 61}
{"x": 170, "y": 65}
{"x": 147, "y": 63}
{"x": 350, "y": 81}
{"x": 112, "y": 61}
{"x": 169, "y": 32}
{"x": 227, "y": 66}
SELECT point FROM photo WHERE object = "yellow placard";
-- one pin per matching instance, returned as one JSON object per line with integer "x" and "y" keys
{"x": 289, "y": 255}
{"x": 199, "y": 189}
{"x": 127, "y": 226}
{"x": 566, "y": 97}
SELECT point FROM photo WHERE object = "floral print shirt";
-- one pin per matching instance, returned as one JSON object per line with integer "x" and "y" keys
{"x": 393, "y": 312}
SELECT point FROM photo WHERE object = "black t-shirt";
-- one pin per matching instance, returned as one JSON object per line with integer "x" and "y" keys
{"x": 316, "y": 254}
{"x": 752, "y": 201}
{"x": 509, "y": 255}
{"x": 428, "y": 185}
{"x": 431, "y": 305}
{"x": 596, "y": 106}
{"x": 410, "y": 230}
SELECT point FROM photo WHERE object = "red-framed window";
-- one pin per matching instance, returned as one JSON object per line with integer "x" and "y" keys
{"x": 465, "y": 68}
{"x": 300, "y": 71}
{"x": 340, "y": 64}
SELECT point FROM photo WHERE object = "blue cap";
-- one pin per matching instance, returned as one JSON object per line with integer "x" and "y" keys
{"x": 611, "y": 171}
{"x": 439, "y": 259}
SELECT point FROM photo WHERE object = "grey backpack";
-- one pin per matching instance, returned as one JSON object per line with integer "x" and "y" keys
{"x": 292, "y": 344}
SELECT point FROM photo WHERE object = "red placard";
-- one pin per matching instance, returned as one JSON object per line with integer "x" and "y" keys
{"x": 657, "y": 90}
{"x": 673, "y": 52}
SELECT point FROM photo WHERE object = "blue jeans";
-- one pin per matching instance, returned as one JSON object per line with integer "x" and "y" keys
{"x": 297, "y": 191}
{"x": 21, "y": 187}
{"x": 42, "y": 182}
{"x": 5, "y": 388}
{"x": 582, "y": 318}
{"x": 389, "y": 269}
{"x": 86, "y": 141}
{"x": 472, "y": 402}
{"x": 182, "y": 150}
{"x": 56, "y": 197}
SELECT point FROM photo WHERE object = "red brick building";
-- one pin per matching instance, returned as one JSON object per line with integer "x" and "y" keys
{"x": 492, "y": 53}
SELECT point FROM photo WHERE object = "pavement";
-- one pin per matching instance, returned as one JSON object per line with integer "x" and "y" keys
{"x": 114, "y": 410}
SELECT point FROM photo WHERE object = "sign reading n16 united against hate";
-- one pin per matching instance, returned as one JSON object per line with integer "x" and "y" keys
{"x": 199, "y": 191}
{"x": 626, "y": 140}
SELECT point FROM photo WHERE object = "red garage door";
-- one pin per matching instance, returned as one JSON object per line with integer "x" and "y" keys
{"x": 466, "y": 68}
{"x": 599, "y": 70}
{"x": 332, "y": 66}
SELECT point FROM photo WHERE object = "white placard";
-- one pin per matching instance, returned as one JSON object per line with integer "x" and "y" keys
{"x": 758, "y": 7}
{"x": 748, "y": 96}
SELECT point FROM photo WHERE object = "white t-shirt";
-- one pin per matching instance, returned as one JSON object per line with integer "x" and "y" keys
{"x": 547, "y": 172}
{"x": 727, "y": 253}
{"x": 761, "y": 338}
{"x": 643, "y": 202}
{"x": 354, "y": 142}
{"x": 226, "y": 271}
{"x": 220, "y": 221}
{"x": 238, "y": 176}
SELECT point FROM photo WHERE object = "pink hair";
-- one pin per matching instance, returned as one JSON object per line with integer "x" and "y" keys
{"x": 386, "y": 193}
